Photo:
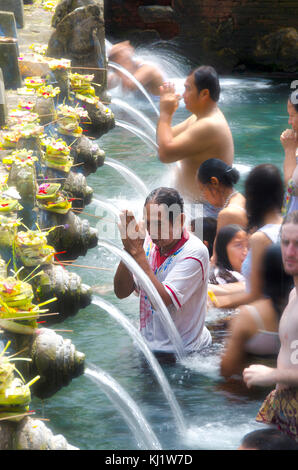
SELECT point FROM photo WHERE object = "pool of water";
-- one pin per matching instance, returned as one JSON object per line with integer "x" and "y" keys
{"x": 217, "y": 415}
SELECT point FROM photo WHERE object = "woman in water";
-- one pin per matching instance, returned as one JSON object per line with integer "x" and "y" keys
{"x": 254, "y": 330}
{"x": 216, "y": 181}
{"x": 289, "y": 141}
{"x": 264, "y": 193}
{"x": 231, "y": 250}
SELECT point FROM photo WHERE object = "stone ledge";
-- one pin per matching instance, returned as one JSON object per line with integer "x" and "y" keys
{"x": 156, "y": 14}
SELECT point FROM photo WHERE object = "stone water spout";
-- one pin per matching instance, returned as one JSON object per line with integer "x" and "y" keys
{"x": 53, "y": 358}
{"x": 31, "y": 434}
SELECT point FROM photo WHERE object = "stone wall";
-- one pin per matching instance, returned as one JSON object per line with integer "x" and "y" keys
{"x": 258, "y": 34}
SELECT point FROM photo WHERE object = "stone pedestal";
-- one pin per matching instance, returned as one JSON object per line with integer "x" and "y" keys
{"x": 9, "y": 63}
{"x": 3, "y": 104}
{"x": 15, "y": 6}
{"x": 8, "y": 25}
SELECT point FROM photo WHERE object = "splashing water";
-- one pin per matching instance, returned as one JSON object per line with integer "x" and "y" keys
{"x": 143, "y": 433}
{"x": 136, "y": 82}
{"x": 152, "y": 293}
{"x": 137, "y": 337}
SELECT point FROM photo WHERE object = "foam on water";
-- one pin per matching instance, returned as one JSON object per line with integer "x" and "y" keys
{"x": 218, "y": 436}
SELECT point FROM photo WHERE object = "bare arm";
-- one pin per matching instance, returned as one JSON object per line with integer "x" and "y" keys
{"x": 290, "y": 144}
{"x": 134, "y": 246}
{"x": 241, "y": 329}
{"x": 183, "y": 140}
{"x": 264, "y": 376}
{"x": 123, "y": 282}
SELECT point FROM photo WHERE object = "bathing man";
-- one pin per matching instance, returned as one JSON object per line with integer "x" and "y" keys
{"x": 147, "y": 74}
{"x": 281, "y": 405}
{"x": 205, "y": 134}
{"x": 177, "y": 264}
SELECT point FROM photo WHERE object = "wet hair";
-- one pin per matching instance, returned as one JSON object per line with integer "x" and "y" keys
{"x": 293, "y": 98}
{"x": 209, "y": 230}
{"x": 224, "y": 236}
{"x": 277, "y": 283}
{"x": 291, "y": 218}
{"x": 264, "y": 191}
{"x": 206, "y": 77}
{"x": 170, "y": 198}
{"x": 214, "y": 167}
{"x": 269, "y": 439}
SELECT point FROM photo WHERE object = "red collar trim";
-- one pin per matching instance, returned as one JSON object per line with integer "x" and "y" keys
{"x": 161, "y": 258}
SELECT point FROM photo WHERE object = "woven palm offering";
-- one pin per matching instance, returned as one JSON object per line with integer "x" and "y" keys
{"x": 15, "y": 395}
{"x": 32, "y": 248}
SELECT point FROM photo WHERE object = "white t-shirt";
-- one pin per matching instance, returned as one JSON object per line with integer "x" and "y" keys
{"x": 184, "y": 272}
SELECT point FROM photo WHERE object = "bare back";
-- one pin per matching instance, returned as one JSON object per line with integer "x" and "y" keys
{"x": 218, "y": 143}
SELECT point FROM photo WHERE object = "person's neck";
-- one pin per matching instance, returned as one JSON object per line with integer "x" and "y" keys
{"x": 206, "y": 110}
{"x": 225, "y": 195}
{"x": 273, "y": 217}
{"x": 169, "y": 247}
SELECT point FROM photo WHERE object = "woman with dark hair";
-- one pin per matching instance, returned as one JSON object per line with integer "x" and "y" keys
{"x": 207, "y": 235}
{"x": 216, "y": 182}
{"x": 289, "y": 141}
{"x": 254, "y": 330}
{"x": 231, "y": 250}
{"x": 264, "y": 196}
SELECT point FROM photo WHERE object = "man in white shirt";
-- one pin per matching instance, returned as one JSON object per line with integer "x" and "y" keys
{"x": 176, "y": 262}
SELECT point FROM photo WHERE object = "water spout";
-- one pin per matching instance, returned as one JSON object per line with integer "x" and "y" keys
{"x": 129, "y": 175}
{"x": 152, "y": 293}
{"x": 138, "y": 132}
{"x": 143, "y": 433}
{"x": 138, "y": 338}
{"x": 136, "y": 82}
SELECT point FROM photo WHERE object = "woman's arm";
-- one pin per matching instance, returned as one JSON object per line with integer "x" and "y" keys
{"x": 258, "y": 244}
{"x": 290, "y": 143}
{"x": 242, "y": 327}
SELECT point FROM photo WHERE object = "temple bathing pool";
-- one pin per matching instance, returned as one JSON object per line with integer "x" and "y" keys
{"x": 216, "y": 415}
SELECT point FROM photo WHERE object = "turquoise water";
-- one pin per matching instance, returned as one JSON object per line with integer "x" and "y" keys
{"x": 217, "y": 415}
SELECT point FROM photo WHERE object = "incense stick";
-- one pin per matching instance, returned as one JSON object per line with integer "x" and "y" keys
{"x": 89, "y": 68}
{"x": 83, "y": 266}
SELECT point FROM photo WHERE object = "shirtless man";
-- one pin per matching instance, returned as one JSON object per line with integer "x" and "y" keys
{"x": 148, "y": 75}
{"x": 285, "y": 397}
{"x": 206, "y": 134}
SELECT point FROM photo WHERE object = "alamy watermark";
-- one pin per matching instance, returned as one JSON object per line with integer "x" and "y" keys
{"x": 294, "y": 94}
{"x": 159, "y": 221}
